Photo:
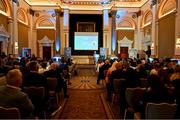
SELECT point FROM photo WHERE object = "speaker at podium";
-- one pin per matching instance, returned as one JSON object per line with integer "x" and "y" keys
{"x": 67, "y": 52}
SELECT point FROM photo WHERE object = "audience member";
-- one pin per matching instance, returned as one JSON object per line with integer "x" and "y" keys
{"x": 55, "y": 74}
{"x": 175, "y": 79}
{"x": 102, "y": 68}
{"x": 119, "y": 74}
{"x": 12, "y": 96}
{"x": 33, "y": 78}
{"x": 107, "y": 79}
{"x": 156, "y": 93}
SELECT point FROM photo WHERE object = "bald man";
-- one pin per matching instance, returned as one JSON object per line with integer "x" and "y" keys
{"x": 12, "y": 96}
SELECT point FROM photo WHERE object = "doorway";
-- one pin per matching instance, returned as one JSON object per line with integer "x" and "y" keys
{"x": 46, "y": 52}
{"x": 124, "y": 52}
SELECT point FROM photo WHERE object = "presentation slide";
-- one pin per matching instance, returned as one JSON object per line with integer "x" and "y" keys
{"x": 86, "y": 41}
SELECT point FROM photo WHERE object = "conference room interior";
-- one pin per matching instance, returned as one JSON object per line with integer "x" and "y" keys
{"x": 82, "y": 59}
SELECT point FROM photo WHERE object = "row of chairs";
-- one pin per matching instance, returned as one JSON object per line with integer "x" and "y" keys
{"x": 119, "y": 83}
{"x": 36, "y": 94}
{"x": 152, "y": 111}
{"x": 9, "y": 113}
{"x": 134, "y": 97}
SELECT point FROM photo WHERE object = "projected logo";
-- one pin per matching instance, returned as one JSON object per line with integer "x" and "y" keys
{"x": 94, "y": 43}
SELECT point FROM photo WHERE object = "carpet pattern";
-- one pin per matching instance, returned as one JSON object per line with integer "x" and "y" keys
{"x": 85, "y": 101}
{"x": 84, "y": 105}
{"x": 86, "y": 79}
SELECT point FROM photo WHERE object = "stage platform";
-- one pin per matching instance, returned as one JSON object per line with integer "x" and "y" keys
{"x": 84, "y": 60}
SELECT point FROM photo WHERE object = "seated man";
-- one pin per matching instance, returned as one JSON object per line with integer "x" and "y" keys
{"x": 33, "y": 78}
{"x": 53, "y": 72}
{"x": 12, "y": 96}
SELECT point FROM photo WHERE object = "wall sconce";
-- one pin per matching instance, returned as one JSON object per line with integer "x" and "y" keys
{"x": 178, "y": 43}
{"x": 16, "y": 47}
{"x": 152, "y": 46}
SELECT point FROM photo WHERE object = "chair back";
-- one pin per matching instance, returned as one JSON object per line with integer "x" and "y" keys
{"x": 36, "y": 94}
{"x": 134, "y": 96}
{"x": 52, "y": 83}
{"x": 118, "y": 85}
{"x": 9, "y": 113}
{"x": 160, "y": 111}
{"x": 144, "y": 82}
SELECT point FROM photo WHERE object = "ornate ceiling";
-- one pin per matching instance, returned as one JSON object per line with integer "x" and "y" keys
{"x": 87, "y": 4}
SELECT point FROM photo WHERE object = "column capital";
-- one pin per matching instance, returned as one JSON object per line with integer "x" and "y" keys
{"x": 157, "y": 22}
{"x": 58, "y": 11}
{"x": 113, "y": 13}
{"x": 10, "y": 19}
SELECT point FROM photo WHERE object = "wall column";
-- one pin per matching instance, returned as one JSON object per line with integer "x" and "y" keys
{"x": 105, "y": 28}
{"x": 154, "y": 32}
{"x": 66, "y": 27}
{"x": 138, "y": 35}
{"x": 30, "y": 34}
{"x": 58, "y": 41}
{"x": 15, "y": 30}
{"x": 34, "y": 42}
{"x": 10, "y": 31}
{"x": 113, "y": 33}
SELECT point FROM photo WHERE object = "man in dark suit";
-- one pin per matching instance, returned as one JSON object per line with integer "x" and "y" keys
{"x": 33, "y": 78}
{"x": 148, "y": 51}
{"x": 12, "y": 96}
{"x": 54, "y": 73}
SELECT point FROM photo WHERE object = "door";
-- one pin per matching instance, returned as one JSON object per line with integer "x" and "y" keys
{"x": 46, "y": 52}
{"x": 123, "y": 52}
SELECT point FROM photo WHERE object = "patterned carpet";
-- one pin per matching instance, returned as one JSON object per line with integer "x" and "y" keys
{"x": 86, "y": 79}
{"x": 84, "y": 105}
{"x": 85, "y": 101}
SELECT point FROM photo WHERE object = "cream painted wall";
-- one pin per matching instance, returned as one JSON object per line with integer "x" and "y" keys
{"x": 34, "y": 34}
{"x": 177, "y": 34}
{"x": 166, "y": 37}
{"x": 4, "y": 21}
{"x": 22, "y": 37}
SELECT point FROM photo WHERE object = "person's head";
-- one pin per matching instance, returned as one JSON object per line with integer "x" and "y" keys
{"x": 16, "y": 64}
{"x": 113, "y": 66}
{"x": 44, "y": 65}
{"x": 177, "y": 69}
{"x": 107, "y": 61}
{"x": 14, "y": 78}
{"x": 53, "y": 66}
{"x": 119, "y": 65}
{"x": 33, "y": 66}
{"x": 153, "y": 72}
